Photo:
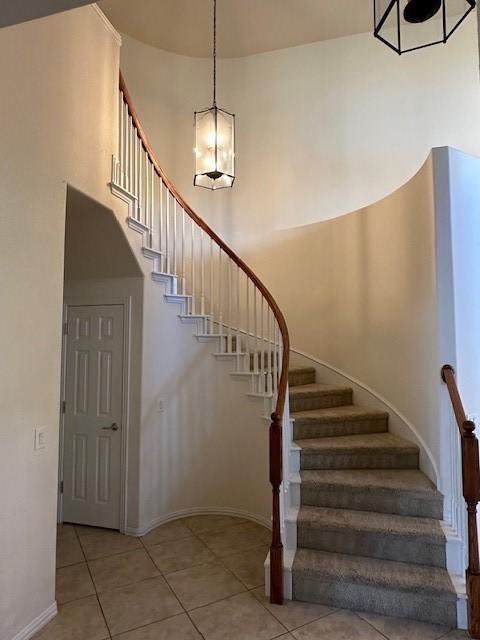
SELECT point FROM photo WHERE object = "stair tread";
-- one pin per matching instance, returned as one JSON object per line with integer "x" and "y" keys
{"x": 317, "y": 389}
{"x": 356, "y": 443}
{"x": 339, "y": 414}
{"x": 295, "y": 370}
{"x": 389, "y": 479}
{"x": 402, "y": 576}
{"x": 371, "y": 522}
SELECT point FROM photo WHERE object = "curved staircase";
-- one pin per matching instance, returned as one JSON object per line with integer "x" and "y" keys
{"x": 368, "y": 529}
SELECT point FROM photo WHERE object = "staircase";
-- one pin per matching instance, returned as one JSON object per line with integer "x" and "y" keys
{"x": 369, "y": 536}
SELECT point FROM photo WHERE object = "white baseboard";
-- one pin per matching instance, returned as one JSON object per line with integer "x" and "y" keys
{"x": 197, "y": 511}
{"x": 37, "y": 623}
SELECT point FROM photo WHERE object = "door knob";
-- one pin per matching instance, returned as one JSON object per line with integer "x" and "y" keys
{"x": 112, "y": 427}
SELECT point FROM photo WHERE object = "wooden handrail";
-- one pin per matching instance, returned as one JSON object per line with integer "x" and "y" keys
{"x": 471, "y": 494}
{"x": 276, "y": 455}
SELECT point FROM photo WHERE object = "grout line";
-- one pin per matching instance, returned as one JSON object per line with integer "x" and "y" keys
{"x": 94, "y": 585}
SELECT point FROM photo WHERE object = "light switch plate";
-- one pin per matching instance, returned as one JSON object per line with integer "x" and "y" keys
{"x": 40, "y": 438}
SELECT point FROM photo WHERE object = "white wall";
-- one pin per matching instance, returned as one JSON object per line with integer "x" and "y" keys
{"x": 59, "y": 83}
{"x": 322, "y": 129}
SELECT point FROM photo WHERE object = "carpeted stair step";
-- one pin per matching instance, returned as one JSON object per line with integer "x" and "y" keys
{"x": 378, "y": 586}
{"x": 366, "y": 451}
{"x": 406, "y": 492}
{"x": 338, "y": 421}
{"x": 298, "y": 376}
{"x": 374, "y": 535}
{"x": 318, "y": 396}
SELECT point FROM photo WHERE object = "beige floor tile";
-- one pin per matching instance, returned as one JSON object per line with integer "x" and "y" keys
{"x": 342, "y": 625}
{"x": 204, "y": 584}
{"x": 65, "y": 531}
{"x": 176, "y": 628}
{"x": 398, "y": 629}
{"x": 122, "y": 569}
{"x": 72, "y": 583}
{"x": 138, "y": 604}
{"x": 180, "y": 554}
{"x": 248, "y": 566}
{"x": 101, "y": 543}
{"x": 236, "y": 539}
{"x": 78, "y": 620}
{"x": 204, "y": 524}
{"x": 68, "y": 551}
{"x": 166, "y": 533}
{"x": 240, "y": 616}
{"x": 293, "y": 614}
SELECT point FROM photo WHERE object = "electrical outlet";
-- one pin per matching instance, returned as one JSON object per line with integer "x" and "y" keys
{"x": 161, "y": 405}
{"x": 40, "y": 441}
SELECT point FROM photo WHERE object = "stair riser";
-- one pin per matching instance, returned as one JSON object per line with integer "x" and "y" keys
{"x": 381, "y": 460}
{"x": 298, "y": 379}
{"x": 305, "y": 430}
{"x": 326, "y": 401}
{"x": 375, "y": 599}
{"x": 412, "y": 549}
{"x": 403, "y": 503}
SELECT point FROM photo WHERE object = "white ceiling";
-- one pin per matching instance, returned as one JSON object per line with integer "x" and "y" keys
{"x": 245, "y": 27}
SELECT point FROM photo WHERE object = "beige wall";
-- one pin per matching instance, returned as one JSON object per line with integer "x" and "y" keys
{"x": 322, "y": 129}
{"x": 59, "y": 79}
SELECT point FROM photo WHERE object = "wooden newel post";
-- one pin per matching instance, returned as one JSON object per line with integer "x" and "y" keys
{"x": 471, "y": 493}
{"x": 276, "y": 548}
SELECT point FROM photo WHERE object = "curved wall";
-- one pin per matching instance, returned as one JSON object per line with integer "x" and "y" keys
{"x": 322, "y": 129}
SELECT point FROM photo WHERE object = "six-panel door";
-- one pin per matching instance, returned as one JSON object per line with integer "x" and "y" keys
{"x": 93, "y": 415}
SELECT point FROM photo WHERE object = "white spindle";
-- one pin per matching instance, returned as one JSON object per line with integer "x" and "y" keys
{"x": 152, "y": 202}
{"x": 229, "y": 293}
{"x": 202, "y": 275}
{"x": 192, "y": 266}
{"x": 120, "y": 153}
{"x": 238, "y": 315}
{"x": 269, "y": 354}
{"x": 184, "y": 283}
{"x": 247, "y": 343}
{"x": 174, "y": 237}
{"x": 255, "y": 332}
{"x": 212, "y": 291}
{"x": 220, "y": 302}
{"x": 131, "y": 131}
{"x": 167, "y": 230}
{"x": 275, "y": 361}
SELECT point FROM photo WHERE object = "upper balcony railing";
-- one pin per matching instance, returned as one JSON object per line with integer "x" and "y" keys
{"x": 216, "y": 285}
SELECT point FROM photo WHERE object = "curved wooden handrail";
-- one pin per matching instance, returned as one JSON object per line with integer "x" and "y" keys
{"x": 471, "y": 494}
{"x": 276, "y": 455}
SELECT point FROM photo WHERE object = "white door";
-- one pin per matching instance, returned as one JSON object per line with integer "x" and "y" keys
{"x": 93, "y": 415}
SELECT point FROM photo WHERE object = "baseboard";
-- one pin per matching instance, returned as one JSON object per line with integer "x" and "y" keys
{"x": 37, "y": 623}
{"x": 197, "y": 511}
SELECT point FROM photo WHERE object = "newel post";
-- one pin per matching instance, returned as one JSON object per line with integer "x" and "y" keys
{"x": 276, "y": 548}
{"x": 471, "y": 492}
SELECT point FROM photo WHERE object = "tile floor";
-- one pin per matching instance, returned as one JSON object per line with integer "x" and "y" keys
{"x": 200, "y": 577}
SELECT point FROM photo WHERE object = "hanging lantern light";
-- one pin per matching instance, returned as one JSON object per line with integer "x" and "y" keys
{"x": 214, "y": 137}
{"x": 407, "y": 25}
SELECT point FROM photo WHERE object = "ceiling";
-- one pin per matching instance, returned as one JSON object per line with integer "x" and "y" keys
{"x": 13, "y": 11}
{"x": 245, "y": 27}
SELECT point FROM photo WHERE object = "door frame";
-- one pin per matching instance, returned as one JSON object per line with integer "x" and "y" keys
{"x": 94, "y": 301}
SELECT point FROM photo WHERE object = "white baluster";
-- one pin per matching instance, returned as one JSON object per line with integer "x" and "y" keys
{"x": 212, "y": 291}
{"x": 220, "y": 302}
{"x": 174, "y": 237}
{"x": 140, "y": 181}
{"x": 130, "y": 156}
{"x": 247, "y": 343}
{"x": 275, "y": 362}
{"x": 269, "y": 353}
{"x": 238, "y": 318}
{"x": 120, "y": 119}
{"x": 202, "y": 275}
{"x": 152, "y": 203}
{"x": 192, "y": 266}
{"x": 255, "y": 331}
{"x": 230, "y": 301}
{"x": 167, "y": 231}
{"x": 261, "y": 378}
{"x": 184, "y": 282}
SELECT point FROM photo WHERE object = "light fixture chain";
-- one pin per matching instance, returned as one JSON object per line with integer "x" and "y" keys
{"x": 214, "y": 53}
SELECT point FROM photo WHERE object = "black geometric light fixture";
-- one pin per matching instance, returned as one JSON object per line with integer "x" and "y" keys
{"x": 407, "y": 25}
{"x": 214, "y": 137}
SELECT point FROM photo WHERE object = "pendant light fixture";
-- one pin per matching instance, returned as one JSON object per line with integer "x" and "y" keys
{"x": 407, "y": 25}
{"x": 214, "y": 137}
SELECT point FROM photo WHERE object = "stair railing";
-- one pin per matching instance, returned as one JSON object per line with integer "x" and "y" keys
{"x": 471, "y": 494}
{"x": 217, "y": 287}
